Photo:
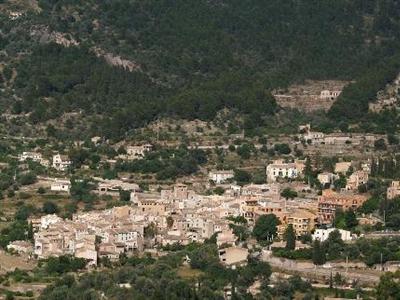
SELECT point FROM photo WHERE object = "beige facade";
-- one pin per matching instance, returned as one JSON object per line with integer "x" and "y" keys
{"x": 303, "y": 221}
{"x": 356, "y": 179}
{"x": 393, "y": 190}
{"x": 330, "y": 201}
{"x": 280, "y": 169}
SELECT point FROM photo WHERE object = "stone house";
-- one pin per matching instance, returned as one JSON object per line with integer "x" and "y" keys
{"x": 280, "y": 169}
{"x": 61, "y": 162}
{"x": 220, "y": 176}
{"x": 393, "y": 190}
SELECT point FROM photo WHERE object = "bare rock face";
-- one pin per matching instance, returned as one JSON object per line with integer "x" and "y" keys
{"x": 46, "y": 36}
{"x": 67, "y": 40}
{"x": 310, "y": 96}
{"x": 116, "y": 60}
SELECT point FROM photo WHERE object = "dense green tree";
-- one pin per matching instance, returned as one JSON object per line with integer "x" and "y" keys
{"x": 282, "y": 148}
{"x": 204, "y": 256}
{"x": 318, "y": 255}
{"x": 49, "y": 207}
{"x": 242, "y": 177}
{"x": 380, "y": 144}
{"x": 265, "y": 228}
{"x": 288, "y": 193}
{"x": 389, "y": 286}
{"x": 333, "y": 246}
{"x": 350, "y": 219}
{"x": 340, "y": 183}
{"x": 290, "y": 237}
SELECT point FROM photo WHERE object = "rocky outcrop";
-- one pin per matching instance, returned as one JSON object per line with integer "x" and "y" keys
{"x": 45, "y": 36}
{"x": 116, "y": 60}
{"x": 67, "y": 40}
{"x": 387, "y": 98}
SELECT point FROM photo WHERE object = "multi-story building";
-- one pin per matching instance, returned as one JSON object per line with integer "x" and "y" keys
{"x": 330, "y": 201}
{"x": 303, "y": 221}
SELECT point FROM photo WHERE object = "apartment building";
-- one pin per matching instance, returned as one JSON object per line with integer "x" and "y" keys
{"x": 330, "y": 201}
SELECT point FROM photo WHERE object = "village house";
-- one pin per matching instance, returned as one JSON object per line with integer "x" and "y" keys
{"x": 234, "y": 190}
{"x": 178, "y": 237}
{"x": 339, "y": 139}
{"x": 389, "y": 266}
{"x": 271, "y": 191}
{"x": 280, "y": 169}
{"x": 153, "y": 207}
{"x": 226, "y": 237}
{"x": 356, "y": 179}
{"x": 85, "y": 247}
{"x": 313, "y": 137}
{"x": 304, "y": 128}
{"x": 113, "y": 187}
{"x": 393, "y": 190}
{"x": 330, "y": 95}
{"x": 327, "y": 178}
{"x": 330, "y": 201}
{"x": 47, "y": 220}
{"x": 61, "y": 185}
{"x": 61, "y": 162}
{"x": 111, "y": 251}
{"x": 221, "y": 176}
{"x": 35, "y": 156}
{"x": 323, "y": 234}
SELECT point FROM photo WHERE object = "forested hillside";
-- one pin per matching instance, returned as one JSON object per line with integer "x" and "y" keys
{"x": 194, "y": 57}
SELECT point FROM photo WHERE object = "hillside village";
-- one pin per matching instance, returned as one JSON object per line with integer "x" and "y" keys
{"x": 312, "y": 183}
{"x": 217, "y": 150}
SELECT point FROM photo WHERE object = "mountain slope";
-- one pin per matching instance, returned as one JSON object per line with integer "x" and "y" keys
{"x": 194, "y": 57}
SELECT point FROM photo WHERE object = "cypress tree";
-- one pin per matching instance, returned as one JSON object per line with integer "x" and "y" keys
{"x": 290, "y": 237}
{"x": 318, "y": 254}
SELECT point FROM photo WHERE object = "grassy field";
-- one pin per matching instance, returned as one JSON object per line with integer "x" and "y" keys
{"x": 187, "y": 272}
